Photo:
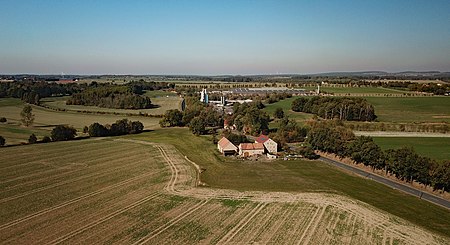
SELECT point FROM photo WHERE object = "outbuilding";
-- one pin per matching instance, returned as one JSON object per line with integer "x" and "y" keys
{"x": 251, "y": 149}
{"x": 226, "y": 147}
{"x": 270, "y": 145}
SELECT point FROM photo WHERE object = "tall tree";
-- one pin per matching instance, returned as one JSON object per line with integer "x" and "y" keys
{"x": 27, "y": 116}
{"x": 172, "y": 118}
{"x": 197, "y": 125}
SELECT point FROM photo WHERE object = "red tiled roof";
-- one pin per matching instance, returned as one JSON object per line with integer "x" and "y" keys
{"x": 252, "y": 146}
{"x": 65, "y": 81}
{"x": 224, "y": 143}
{"x": 262, "y": 138}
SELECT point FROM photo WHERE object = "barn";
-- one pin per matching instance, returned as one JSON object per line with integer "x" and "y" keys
{"x": 251, "y": 149}
{"x": 270, "y": 145}
{"x": 226, "y": 147}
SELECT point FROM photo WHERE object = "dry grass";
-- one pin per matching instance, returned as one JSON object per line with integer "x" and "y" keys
{"x": 118, "y": 190}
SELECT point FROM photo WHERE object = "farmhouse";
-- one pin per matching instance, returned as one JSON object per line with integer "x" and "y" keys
{"x": 270, "y": 145}
{"x": 226, "y": 147}
{"x": 251, "y": 149}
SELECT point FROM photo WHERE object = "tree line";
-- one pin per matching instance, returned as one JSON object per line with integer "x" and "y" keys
{"x": 404, "y": 163}
{"x": 120, "y": 127}
{"x": 31, "y": 92}
{"x": 64, "y": 132}
{"x": 118, "y": 97}
{"x": 342, "y": 108}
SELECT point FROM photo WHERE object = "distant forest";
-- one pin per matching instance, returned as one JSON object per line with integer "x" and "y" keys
{"x": 342, "y": 108}
{"x": 127, "y": 96}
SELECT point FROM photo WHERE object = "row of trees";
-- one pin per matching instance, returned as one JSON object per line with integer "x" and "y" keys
{"x": 138, "y": 87}
{"x": 404, "y": 163}
{"x": 18, "y": 89}
{"x": 438, "y": 89}
{"x": 120, "y": 127}
{"x": 118, "y": 97}
{"x": 64, "y": 133}
{"x": 342, "y": 108}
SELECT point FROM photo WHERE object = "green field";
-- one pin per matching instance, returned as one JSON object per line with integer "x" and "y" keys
{"x": 359, "y": 90}
{"x": 286, "y": 106}
{"x": 160, "y": 99}
{"x": 389, "y": 109}
{"x": 433, "y": 147}
{"x": 362, "y": 90}
{"x": 417, "y": 109}
{"x": 46, "y": 119}
{"x": 298, "y": 176}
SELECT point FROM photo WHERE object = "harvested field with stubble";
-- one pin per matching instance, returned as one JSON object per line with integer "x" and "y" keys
{"x": 131, "y": 191}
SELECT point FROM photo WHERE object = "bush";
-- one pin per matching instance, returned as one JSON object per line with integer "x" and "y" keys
{"x": 279, "y": 113}
{"x": 46, "y": 139}
{"x": 308, "y": 152}
{"x": 97, "y": 130}
{"x": 2, "y": 141}
{"x": 32, "y": 139}
{"x": 2, "y": 119}
{"x": 136, "y": 127}
{"x": 62, "y": 133}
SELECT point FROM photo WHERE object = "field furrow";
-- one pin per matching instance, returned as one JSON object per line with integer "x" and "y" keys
{"x": 130, "y": 191}
{"x": 100, "y": 166}
{"x": 53, "y": 163}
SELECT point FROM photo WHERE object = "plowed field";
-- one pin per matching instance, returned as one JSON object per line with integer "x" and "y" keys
{"x": 135, "y": 192}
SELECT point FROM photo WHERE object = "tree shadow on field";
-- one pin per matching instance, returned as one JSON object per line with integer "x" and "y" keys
{"x": 49, "y": 126}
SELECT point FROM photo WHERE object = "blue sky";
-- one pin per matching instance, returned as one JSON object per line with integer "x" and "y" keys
{"x": 223, "y": 37}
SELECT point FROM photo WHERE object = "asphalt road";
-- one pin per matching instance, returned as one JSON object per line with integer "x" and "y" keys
{"x": 407, "y": 189}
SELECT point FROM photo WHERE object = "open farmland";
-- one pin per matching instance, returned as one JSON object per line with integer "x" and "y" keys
{"x": 161, "y": 103}
{"x": 433, "y": 147}
{"x": 360, "y": 90}
{"x": 417, "y": 109}
{"x": 132, "y": 191}
{"x": 46, "y": 119}
{"x": 391, "y": 109}
{"x": 286, "y": 106}
{"x": 298, "y": 176}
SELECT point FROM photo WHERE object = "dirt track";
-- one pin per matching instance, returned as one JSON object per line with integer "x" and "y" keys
{"x": 371, "y": 217}
{"x": 154, "y": 206}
